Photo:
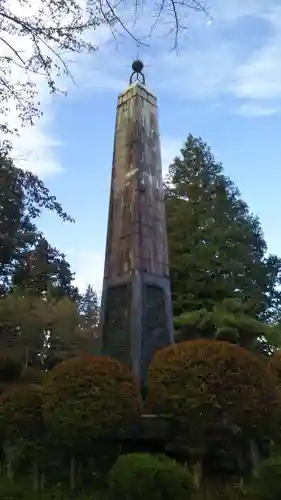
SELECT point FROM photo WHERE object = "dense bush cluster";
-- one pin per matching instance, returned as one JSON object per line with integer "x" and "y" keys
{"x": 80, "y": 403}
{"x": 31, "y": 375}
{"x": 217, "y": 400}
{"x": 267, "y": 485}
{"x": 21, "y": 412}
{"x": 214, "y": 382}
{"x": 90, "y": 397}
{"x": 141, "y": 475}
{"x": 274, "y": 365}
{"x": 10, "y": 368}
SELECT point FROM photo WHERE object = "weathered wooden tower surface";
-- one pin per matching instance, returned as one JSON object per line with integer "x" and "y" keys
{"x": 136, "y": 316}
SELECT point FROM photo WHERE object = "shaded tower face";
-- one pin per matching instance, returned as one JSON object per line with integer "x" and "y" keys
{"x": 136, "y": 315}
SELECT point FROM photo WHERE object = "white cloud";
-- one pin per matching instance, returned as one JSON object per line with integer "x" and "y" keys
{"x": 205, "y": 71}
{"x": 213, "y": 66}
{"x": 199, "y": 73}
{"x": 35, "y": 148}
{"x": 260, "y": 78}
{"x": 235, "y": 9}
{"x": 254, "y": 109}
{"x": 208, "y": 67}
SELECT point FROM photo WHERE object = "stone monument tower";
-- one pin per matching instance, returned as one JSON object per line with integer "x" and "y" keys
{"x": 136, "y": 313}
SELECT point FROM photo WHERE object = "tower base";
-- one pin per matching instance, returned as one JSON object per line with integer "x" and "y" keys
{"x": 136, "y": 320}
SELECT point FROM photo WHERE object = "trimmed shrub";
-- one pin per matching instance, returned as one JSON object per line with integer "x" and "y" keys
{"x": 21, "y": 412}
{"x": 20, "y": 490}
{"x": 22, "y": 425}
{"x": 274, "y": 364}
{"x": 10, "y": 368}
{"x": 267, "y": 485}
{"x": 31, "y": 375}
{"x": 141, "y": 475}
{"x": 16, "y": 491}
{"x": 227, "y": 492}
{"x": 207, "y": 385}
{"x": 89, "y": 398}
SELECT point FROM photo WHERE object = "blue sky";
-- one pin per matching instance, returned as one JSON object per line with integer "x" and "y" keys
{"x": 224, "y": 84}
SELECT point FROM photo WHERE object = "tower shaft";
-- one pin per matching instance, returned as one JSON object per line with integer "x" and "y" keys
{"x": 136, "y": 315}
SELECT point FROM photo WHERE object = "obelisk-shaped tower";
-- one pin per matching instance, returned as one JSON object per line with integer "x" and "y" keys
{"x": 136, "y": 315}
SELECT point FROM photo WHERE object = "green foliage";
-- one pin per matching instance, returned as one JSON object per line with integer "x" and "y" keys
{"x": 22, "y": 198}
{"x": 267, "y": 485}
{"x": 89, "y": 314}
{"x": 31, "y": 270}
{"x": 31, "y": 375}
{"x": 140, "y": 475}
{"x": 36, "y": 283}
{"x": 10, "y": 368}
{"x": 223, "y": 492}
{"x": 21, "y": 413}
{"x": 216, "y": 246}
{"x": 21, "y": 490}
{"x": 89, "y": 398}
{"x": 228, "y": 320}
{"x": 30, "y": 316}
{"x": 89, "y": 309}
{"x": 275, "y": 365}
{"x": 65, "y": 338}
{"x": 44, "y": 271}
{"x": 208, "y": 387}
{"x": 16, "y": 491}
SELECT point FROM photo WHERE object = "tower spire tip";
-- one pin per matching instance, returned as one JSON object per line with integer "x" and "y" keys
{"x": 137, "y": 67}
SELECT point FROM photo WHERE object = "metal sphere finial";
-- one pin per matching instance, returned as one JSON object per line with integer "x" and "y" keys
{"x": 137, "y": 68}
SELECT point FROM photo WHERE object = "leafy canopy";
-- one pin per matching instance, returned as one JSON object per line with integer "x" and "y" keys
{"x": 141, "y": 475}
{"x": 217, "y": 248}
{"x": 208, "y": 387}
{"x": 89, "y": 398}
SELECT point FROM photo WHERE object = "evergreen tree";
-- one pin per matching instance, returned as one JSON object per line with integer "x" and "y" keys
{"x": 44, "y": 271}
{"x": 34, "y": 276}
{"x": 229, "y": 320}
{"x": 89, "y": 310}
{"x": 22, "y": 198}
{"x": 217, "y": 248}
{"x": 64, "y": 338}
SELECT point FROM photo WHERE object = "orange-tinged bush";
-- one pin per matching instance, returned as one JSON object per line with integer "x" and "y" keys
{"x": 31, "y": 375}
{"x": 89, "y": 398}
{"x": 274, "y": 364}
{"x": 206, "y": 384}
{"x": 21, "y": 412}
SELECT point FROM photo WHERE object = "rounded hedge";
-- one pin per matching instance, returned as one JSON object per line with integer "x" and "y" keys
{"x": 15, "y": 490}
{"x": 267, "y": 485}
{"x": 274, "y": 365}
{"x": 89, "y": 398}
{"x": 224, "y": 492}
{"x": 203, "y": 383}
{"x": 141, "y": 475}
{"x": 21, "y": 412}
{"x": 31, "y": 375}
{"x": 10, "y": 368}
